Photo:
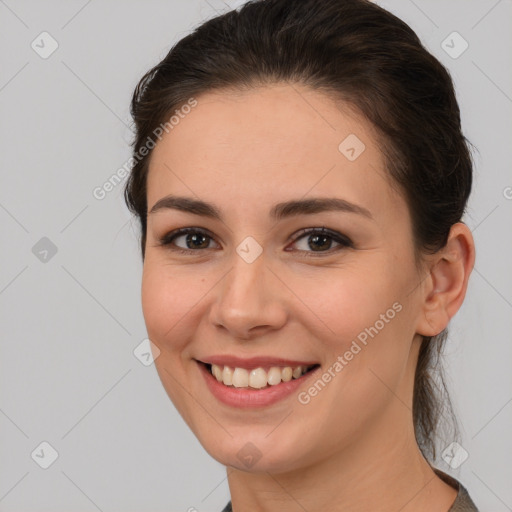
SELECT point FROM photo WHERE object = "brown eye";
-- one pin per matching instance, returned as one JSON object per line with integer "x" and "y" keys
{"x": 321, "y": 240}
{"x": 315, "y": 240}
{"x": 193, "y": 240}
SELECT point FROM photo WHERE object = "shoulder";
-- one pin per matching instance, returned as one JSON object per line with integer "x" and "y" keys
{"x": 463, "y": 502}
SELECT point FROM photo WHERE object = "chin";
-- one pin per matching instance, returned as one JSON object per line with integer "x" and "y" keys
{"x": 255, "y": 454}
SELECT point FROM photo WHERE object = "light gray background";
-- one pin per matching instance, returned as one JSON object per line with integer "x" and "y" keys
{"x": 70, "y": 324}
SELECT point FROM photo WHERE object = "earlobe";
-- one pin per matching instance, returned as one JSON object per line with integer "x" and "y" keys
{"x": 446, "y": 284}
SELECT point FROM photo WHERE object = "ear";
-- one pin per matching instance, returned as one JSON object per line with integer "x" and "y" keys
{"x": 445, "y": 287}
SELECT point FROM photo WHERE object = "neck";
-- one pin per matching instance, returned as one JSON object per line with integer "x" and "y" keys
{"x": 381, "y": 470}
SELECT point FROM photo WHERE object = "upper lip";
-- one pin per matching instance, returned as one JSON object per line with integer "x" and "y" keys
{"x": 253, "y": 362}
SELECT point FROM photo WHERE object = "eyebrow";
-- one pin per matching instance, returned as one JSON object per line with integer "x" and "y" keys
{"x": 278, "y": 212}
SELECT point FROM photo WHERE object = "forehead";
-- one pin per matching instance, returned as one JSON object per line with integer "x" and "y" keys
{"x": 267, "y": 143}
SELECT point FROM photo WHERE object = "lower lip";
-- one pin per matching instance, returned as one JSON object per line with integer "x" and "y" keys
{"x": 247, "y": 397}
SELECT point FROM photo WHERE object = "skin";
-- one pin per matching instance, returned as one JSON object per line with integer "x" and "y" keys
{"x": 352, "y": 447}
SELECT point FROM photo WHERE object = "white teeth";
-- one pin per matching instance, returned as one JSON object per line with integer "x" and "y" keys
{"x": 286, "y": 374}
{"x": 274, "y": 376}
{"x": 227, "y": 376}
{"x": 217, "y": 372}
{"x": 240, "y": 378}
{"x": 256, "y": 378}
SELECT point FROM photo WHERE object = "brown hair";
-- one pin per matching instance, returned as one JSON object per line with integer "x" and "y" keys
{"x": 354, "y": 51}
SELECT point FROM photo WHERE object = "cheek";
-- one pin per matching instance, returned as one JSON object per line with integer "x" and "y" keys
{"x": 350, "y": 301}
{"x": 168, "y": 300}
{"x": 366, "y": 323}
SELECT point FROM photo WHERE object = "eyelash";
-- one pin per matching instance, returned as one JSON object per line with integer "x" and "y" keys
{"x": 343, "y": 240}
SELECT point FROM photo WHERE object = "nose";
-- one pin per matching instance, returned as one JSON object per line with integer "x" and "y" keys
{"x": 249, "y": 300}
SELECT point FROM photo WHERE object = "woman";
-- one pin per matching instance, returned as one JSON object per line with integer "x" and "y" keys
{"x": 300, "y": 178}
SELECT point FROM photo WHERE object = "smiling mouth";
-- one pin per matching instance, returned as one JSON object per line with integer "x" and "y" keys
{"x": 257, "y": 378}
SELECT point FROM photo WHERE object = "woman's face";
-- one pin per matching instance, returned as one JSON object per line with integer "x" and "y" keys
{"x": 252, "y": 283}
